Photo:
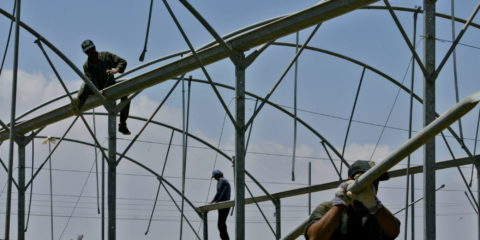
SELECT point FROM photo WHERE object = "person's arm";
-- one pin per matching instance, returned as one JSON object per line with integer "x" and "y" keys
{"x": 326, "y": 219}
{"x": 325, "y": 227}
{"x": 387, "y": 222}
{"x": 119, "y": 64}
{"x": 220, "y": 191}
{"x": 385, "y": 219}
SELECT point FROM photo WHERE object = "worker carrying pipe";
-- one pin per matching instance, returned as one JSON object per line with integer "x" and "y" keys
{"x": 354, "y": 215}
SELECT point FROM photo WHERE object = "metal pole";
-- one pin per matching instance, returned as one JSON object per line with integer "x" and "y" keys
{"x": 51, "y": 187}
{"x": 205, "y": 225}
{"x": 12, "y": 121}
{"x": 454, "y": 59}
{"x": 478, "y": 192}
{"x": 21, "y": 191}
{"x": 429, "y": 116}
{"x": 309, "y": 184}
{"x": 278, "y": 217}
{"x": 112, "y": 175}
{"x": 412, "y": 208}
{"x": 412, "y": 177}
{"x": 240, "y": 148}
{"x": 103, "y": 198}
{"x": 295, "y": 81}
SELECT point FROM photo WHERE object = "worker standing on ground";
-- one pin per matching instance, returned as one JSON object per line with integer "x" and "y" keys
{"x": 353, "y": 215}
{"x": 100, "y": 69}
{"x": 223, "y": 194}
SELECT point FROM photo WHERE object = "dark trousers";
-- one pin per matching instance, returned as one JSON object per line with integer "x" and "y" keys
{"x": 222, "y": 223}
{"x": 125, "y": 111}
{"x": 84, "y": 92}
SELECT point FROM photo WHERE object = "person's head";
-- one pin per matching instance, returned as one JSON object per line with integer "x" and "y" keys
{"x": 361, "y": 166}
{"x": 89, "y": 49}
{"x": 217, "y": 174}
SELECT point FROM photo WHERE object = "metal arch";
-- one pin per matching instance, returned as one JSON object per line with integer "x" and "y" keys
{"x": 148, "y": 63}
{"x": 62, "y": 56}
{"x": 315, "y": 49}
{"x": 459, "y": 140}
{"x": 33, "y": 32}
{"x": 405, "y": 9}
{"x": 210, "y": 29}
{"x": 246, "y": 40}
{"x": 200, "y": 140}
{"x": 326, "y": 52}
{"x": 135, "y": 162}
{"x": 201, "y": 48}
{"x": 284, "y": 111}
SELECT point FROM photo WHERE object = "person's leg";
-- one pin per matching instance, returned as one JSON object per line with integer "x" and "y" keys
{"x": 122, "y": 127}
{"x": 125, "y": 111}
{"x": 222, "y": 223}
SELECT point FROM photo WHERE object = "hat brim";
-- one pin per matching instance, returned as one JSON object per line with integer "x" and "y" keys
{"x": 383, "y": 177}
{"x": 85, "y": 50}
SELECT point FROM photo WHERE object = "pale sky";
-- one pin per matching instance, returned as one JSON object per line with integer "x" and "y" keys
{"x": 326, "y": 91}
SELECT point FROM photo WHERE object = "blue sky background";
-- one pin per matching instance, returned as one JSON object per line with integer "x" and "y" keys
{"x": 326, "y": 91}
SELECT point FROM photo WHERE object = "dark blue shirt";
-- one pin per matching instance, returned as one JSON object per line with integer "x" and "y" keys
{"x": 223, "y": 190}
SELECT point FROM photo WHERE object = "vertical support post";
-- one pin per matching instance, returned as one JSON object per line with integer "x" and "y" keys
{"x": 240, "y": 66}
{"x": 412, "y": 176}
{"x": 12, "y": 121}
{"x": 205, "y": 225}
{"x": 112, "y": 173}
{"x": 429, "y": 116}
{"x": 21, "y": 191}
{"x": 412, "y": 208}
{"x": 309, "y": 184}
{"x": 103, "y": 198}
{"x": 278, "y": 218}
{"x": 478, "y": 197}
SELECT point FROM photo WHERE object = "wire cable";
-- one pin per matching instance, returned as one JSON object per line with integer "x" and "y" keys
{"x": 391, "y": 110}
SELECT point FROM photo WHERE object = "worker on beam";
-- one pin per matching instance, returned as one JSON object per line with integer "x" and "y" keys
{"x": 223, "y": 194}
{"x": 353, "y": 215}
{"x": 100, "y": 68}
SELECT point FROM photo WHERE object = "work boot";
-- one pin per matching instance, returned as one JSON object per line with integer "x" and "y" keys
{"x": 122, "y": 127}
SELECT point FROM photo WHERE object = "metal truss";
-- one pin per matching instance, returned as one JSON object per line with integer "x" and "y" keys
{"x": 233, "y": 46}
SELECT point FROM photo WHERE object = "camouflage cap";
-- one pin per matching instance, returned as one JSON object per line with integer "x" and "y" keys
{"x": 361, "y": 166}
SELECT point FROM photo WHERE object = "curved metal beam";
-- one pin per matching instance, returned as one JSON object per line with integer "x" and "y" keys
{"x": 210, "y": 29}
{"x": 306, "y": 125}
{"x": 358, "y": 62}
{"x": 62, "y": 56}
{"x": 199, "y": 140}
{"x": 454, "y": 134}
{"x": 335, "y": 55}
{"x": 135, "y": 162}
{"x": 413, "y": 10}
